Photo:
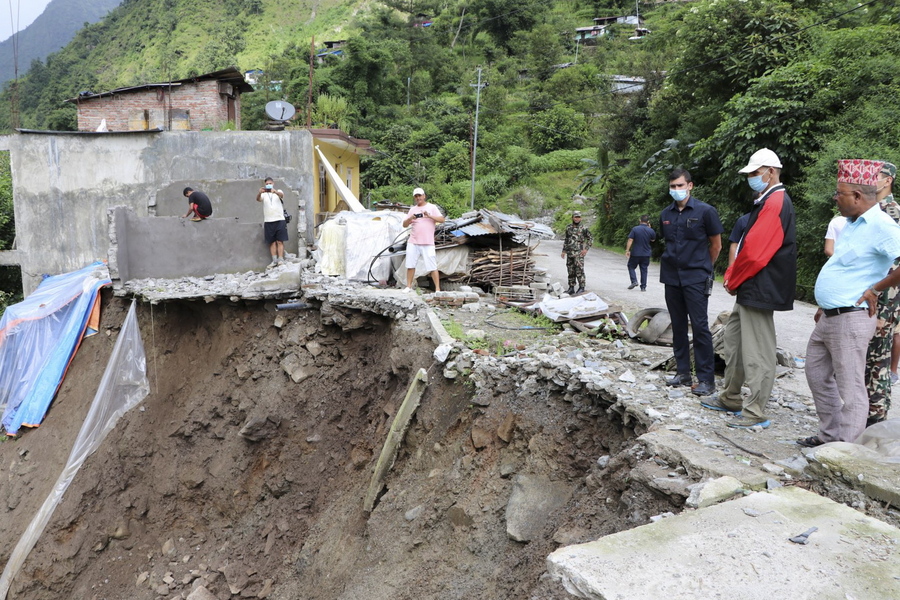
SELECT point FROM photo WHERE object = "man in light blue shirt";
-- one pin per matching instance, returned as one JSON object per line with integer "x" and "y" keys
{"x": 847, "y": 291}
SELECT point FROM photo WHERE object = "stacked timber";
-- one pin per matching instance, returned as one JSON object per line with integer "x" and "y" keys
{"x": 494, "y": 268}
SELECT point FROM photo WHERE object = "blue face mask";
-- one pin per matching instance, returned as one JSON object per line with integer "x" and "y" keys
{"x": 268, "y": 186}
{"x": 678, "y": 195}
{"x": 756, "y": 183}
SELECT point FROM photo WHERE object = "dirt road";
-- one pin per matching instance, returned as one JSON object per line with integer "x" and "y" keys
{"x": 607, "y": 276}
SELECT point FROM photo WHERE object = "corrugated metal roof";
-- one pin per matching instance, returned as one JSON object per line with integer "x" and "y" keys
{"x": 480, "y": 228}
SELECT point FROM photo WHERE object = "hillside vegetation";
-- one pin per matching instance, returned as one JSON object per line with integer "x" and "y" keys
{"x": 813, "y": 80}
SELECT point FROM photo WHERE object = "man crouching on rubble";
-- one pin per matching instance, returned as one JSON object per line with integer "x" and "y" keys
{"x": 423, "y": 217}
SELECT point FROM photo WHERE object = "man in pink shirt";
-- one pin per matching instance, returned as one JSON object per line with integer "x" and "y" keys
{"x": 423, "y": 217}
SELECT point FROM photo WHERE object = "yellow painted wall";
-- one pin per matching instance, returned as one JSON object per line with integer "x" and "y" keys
{"x": 341, "y": 159}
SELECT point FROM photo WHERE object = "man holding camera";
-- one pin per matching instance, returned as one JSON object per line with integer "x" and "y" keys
{"x": 275, "y": 232}
{"x": 423, "y": 217}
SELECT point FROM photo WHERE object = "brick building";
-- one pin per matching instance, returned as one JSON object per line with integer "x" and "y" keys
{"x": 204, "y": 102}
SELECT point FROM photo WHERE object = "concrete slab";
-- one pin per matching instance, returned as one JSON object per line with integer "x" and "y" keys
{"x": 740, "y": 550}
{"x": 700, "y": 462}
{"x": 862, "y": 468}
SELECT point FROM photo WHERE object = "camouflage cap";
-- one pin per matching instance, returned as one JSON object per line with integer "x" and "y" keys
{"x": 889, "y": 169}
{"x": 576, "y": 213}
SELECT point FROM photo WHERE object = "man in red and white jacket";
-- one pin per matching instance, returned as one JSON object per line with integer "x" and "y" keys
{"x": 763, "y": 278}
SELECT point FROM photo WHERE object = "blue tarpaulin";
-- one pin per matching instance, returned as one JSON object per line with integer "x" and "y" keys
{"x": 38, "y": 338}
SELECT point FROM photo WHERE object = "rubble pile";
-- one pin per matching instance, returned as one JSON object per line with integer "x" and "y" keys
{"x": 252, "y": 285}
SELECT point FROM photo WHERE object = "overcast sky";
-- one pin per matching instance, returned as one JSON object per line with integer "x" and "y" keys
{"x": 20, "y": 12}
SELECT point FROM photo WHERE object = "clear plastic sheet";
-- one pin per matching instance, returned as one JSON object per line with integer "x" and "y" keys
{"x": 123, "y": 386}
{"x": 450, "y": 261}
{"x": 330, "y": 248}
{"x": 38, "y": 338}
{"x": 573, "y": 307}
{"x": 349, "y": 241}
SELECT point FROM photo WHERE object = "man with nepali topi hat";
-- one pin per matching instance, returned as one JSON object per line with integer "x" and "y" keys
{"x": 847, "y": 291}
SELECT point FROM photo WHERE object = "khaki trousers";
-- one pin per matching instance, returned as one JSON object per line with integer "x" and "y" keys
{"x": 750, "y": 360}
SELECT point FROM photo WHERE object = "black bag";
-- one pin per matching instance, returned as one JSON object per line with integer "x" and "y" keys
{"x": 287, "y": 215}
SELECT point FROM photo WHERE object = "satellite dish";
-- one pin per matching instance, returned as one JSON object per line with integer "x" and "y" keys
{"x": 278, "y": 110}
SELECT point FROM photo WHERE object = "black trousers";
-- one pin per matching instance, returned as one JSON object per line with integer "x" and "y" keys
{"x": 638, "y": 261}
{"x": 691, "y": 302}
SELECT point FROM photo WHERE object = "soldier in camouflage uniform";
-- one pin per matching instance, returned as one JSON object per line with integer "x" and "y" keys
{"x": 577, "y": 243}
{"x": 878, "y": 356}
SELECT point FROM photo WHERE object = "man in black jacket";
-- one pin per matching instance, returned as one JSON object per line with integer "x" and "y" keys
{"x": 763, "y": 277}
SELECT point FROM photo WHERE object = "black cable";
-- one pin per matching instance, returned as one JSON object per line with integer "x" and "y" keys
{"x": 369, "y": 278}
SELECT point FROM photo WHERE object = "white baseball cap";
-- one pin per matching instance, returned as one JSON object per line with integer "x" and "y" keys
{"x": 418, "y": 191}
{"x": 761, "y": 158}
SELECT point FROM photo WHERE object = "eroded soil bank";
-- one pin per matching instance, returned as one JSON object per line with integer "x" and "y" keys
{"x": 245, "y": 469}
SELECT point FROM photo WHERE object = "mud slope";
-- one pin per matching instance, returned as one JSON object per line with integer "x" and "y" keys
{"x": 234, "y": 476}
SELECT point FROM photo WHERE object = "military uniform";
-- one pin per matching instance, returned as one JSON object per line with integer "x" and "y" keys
{"x": 878, "y": 356}
{"x": 578, "y": 238}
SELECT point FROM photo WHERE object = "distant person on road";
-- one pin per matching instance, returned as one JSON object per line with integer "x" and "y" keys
{"x": 737, "y": 232}
{"x": 577, "y": 242}
{"x": 637, "y": 251}
{"x": 764, "y": 278}
{"x": 847, "y": 291}
{"x": 693, "y": 234}
{"x": 423, "y": 217}
{"x": 275, "y": 226}
{"x": 198, "y": 204}
{"x": 881, "y": 356}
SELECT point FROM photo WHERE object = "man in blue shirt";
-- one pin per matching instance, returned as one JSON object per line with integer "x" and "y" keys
{"x": 637, "y": 251}
{"x": 693, "y": 234}
{"x": 847, "y": 291}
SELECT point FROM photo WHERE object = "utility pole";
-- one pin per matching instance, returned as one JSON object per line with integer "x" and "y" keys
{"x": 312, "y": 58}
{"x": 408, "y": 81}
{"x": 477, "y": 87}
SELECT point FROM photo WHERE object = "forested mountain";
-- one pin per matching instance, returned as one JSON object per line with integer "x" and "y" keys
{"x": 52, "y": 30}
{"x": 712, "y": 82}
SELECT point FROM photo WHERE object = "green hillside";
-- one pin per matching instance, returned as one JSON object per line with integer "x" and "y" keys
{"x": 51, "y": 31}
{"x": 713, "y": 81}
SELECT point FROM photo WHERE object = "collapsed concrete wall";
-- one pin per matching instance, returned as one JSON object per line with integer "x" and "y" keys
{"x": 182, "y": 248}
{"x": 64, "y": 185}
{"x": 231, "y": 198}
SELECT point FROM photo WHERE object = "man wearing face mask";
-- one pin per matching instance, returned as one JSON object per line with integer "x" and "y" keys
{"x": 762, "y": 277}
{"x": 275, "y": 226}
{"x": 693, "y": 234}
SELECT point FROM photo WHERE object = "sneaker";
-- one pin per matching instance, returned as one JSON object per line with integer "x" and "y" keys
{"x": 579, "y": 290}
{"x": 714, "y": 403}
{"x": 894, "y": 378}
{"x": 272, "y": 264}
{"x": 745, "y": 423}
{"x": 704, "y": 388}
{"x": 571, "y": 290}
{"x": 407, "y": 290}
{"x": 643, "y": 289}
{"x": 678, "y": 380}
{"x": 632, "y": 286}
{"x": 280, "y": 261}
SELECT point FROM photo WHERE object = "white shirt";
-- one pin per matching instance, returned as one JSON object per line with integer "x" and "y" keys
{"x": 835, "y": 227}
{"x": 273, "y": 209}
